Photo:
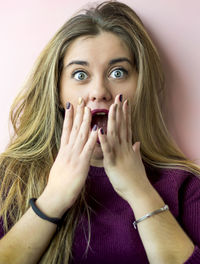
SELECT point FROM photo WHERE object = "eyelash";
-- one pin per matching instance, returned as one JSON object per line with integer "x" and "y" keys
{"x": 120, "y": 69}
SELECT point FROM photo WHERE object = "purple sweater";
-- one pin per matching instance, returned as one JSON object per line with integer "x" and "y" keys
{"x": 113, "y": 237}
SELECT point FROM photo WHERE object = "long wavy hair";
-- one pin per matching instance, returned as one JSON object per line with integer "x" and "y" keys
{"x": 37, "y": 120}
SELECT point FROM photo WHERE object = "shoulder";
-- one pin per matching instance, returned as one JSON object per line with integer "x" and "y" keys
{"x": 178, "y": 187}
{"x": 175, "y": 176}
{"x": 185, "y": 181}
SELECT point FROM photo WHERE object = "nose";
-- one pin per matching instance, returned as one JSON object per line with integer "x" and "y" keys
{"x": 100, "y": 91}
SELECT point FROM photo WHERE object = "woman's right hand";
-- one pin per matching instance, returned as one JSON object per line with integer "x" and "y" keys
{"x": 70, "y": 169}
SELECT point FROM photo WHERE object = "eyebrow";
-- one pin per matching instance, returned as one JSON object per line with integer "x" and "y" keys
{"x": 78, "y": 62}
{"x": 111, "y": 62}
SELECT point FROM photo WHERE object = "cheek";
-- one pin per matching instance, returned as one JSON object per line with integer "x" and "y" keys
{"x": 129, "y": 94}
{"x": 66, "y": 91}
{"x": 131, "y": 90}
{"x": 66, "y": 95}
{"x": 62, "y": 95}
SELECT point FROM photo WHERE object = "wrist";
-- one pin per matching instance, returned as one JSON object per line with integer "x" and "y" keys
{"x": 145, "y": 201}
{"x": 38, "y": 212}
{"x": 49, "y": 206}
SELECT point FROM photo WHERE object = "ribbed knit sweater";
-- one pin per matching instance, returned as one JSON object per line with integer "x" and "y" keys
{"x": 113, "y": 237}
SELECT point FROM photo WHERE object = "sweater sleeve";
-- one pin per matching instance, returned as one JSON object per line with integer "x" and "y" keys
{"x": 189, "y": 198}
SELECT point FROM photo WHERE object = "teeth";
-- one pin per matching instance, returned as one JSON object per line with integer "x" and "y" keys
{"x": 100, "y": 113}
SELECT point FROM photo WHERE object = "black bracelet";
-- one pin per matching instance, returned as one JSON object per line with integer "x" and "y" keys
{"x": 56, "y": 221}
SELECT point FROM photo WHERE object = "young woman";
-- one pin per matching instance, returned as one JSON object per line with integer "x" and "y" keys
{"x": 92, "y": 148}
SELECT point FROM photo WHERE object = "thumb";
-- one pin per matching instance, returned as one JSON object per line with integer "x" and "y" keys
{"x": 136, "y": 148}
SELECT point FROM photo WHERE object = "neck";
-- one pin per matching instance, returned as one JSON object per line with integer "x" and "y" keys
{"x": 96, "y": 162}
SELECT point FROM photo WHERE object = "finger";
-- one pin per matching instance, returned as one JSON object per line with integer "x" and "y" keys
{"x": 104, "y": 142}
{"x": 77, "y": 121}
{"x": 136, "y": 148}
{"x": 84, "y": 130}
{"x": 124, "y": 127}
{"x": 129, "y": 123}
{"x": 119, "y": 115}
{"x": 122, "y": 119}
{"x": 67, "y": 124}
{"x": 90, "y": 144}
{"x": 111, "y": 125}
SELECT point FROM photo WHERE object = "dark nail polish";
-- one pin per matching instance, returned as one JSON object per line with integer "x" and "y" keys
{"x": 102, "y": 131}
{"x": 94, "y": 128}
{"x": 68, "y": 105}
{"x": 120, "y": 97}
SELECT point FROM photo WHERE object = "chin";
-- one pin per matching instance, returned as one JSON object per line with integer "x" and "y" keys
{"x": 97, "y": 153}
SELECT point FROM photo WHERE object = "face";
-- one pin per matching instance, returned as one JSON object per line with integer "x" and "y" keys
{"x": 97, "y": 68}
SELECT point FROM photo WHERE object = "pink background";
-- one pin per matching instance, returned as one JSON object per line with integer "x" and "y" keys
{"x": 26, "y": 26}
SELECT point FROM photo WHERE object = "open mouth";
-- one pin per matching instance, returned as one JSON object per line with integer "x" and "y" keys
{"x": 100, "y": 118}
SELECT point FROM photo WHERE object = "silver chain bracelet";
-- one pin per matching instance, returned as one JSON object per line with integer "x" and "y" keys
{"x": 162, "y": 209}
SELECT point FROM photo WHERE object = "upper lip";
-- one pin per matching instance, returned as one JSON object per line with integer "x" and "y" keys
{"x": 100, "y": 110}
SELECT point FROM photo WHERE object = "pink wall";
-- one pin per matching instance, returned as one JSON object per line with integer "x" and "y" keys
{"x": 26, "y": 26}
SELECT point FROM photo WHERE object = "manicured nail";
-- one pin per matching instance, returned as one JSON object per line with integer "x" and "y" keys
{"x": 120, "y": 97}
{"x": 102, "y": 131}
{"x": 68, "y": 105}
{"x": 94, "y": 128}
{"x": 80, "y": 99}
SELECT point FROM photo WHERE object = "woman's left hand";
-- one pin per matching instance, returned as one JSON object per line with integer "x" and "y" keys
{"x": 122, "y": 160}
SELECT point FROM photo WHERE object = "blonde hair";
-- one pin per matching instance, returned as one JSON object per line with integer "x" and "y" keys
{"x": 37, "y": 120}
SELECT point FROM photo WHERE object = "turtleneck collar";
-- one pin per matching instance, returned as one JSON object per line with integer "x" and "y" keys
{"x": 152, "y": 173}
{"x": 97, "y": 171}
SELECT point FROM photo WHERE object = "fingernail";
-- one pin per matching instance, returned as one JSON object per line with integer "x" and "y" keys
{"x": 94, "y": 128}
{"x": 102, "y": 131}
{"x": 120, "y": 97}
{"x": 68, "y": 105}
{"x": 80, "y": 99}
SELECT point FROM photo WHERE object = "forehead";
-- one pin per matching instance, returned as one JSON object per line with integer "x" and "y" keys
{"x": 101, "y": 47}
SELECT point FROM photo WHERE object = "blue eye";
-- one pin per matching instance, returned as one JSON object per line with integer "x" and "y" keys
{"x": 79, "y": 75}
{"x": 118, "y": 73}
